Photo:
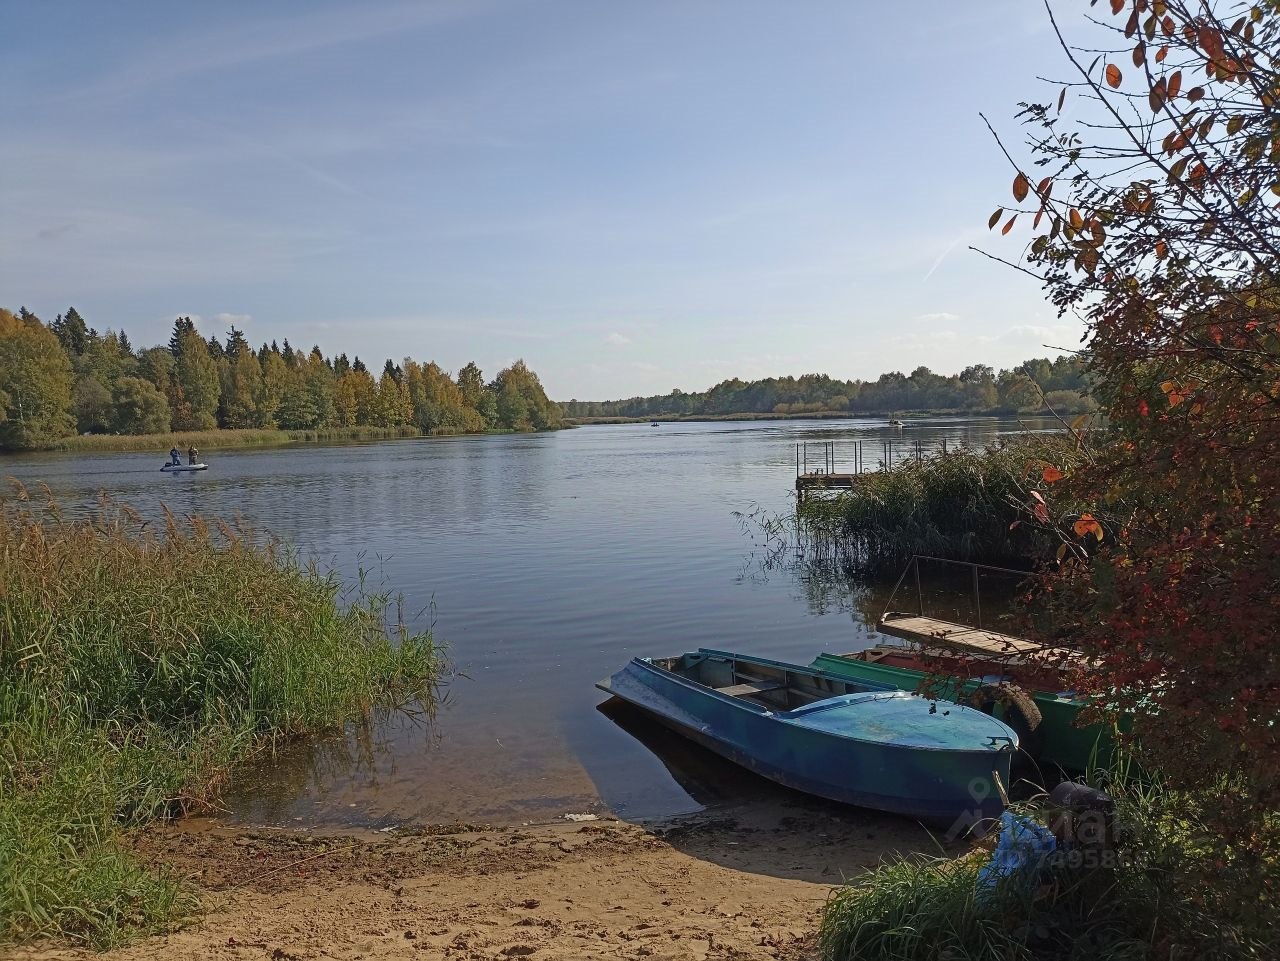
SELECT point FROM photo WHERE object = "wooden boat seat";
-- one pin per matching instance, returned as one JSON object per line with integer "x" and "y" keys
{"x": 755, "y": 687}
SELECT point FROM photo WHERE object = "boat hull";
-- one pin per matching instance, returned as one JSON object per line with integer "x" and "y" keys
{"x": 1061, "y": 742}
{"x": 183, "y": 468}
{"x": 946, "y": 785}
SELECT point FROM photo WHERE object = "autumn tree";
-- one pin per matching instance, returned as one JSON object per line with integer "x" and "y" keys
{"x": 1154, "y": 218}
{"x": 196, "y": 384}
{"x": 240, "y": 382}
{"x": 35, "y": 383}
{"x": 138, "y": 408}
{"x": 522, "y": 404}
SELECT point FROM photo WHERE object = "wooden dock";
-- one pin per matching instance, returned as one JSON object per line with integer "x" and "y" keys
{"x": 824, "y": 482}
{"x": 931, "y": 632}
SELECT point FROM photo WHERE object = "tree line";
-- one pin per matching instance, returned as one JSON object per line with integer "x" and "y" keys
{"x": 65, "y": 377}
{"x": 1033, "y": 385}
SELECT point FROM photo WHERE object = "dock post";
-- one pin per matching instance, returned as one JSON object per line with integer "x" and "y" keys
{"x": 977, "y": 598}
{"x": 915, "y": 560}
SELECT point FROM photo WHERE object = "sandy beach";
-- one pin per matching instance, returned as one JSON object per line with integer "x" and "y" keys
{"x": 734, "y": 883}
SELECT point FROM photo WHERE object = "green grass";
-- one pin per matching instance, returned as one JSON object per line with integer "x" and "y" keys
{"x": 222, "y": 439}
{"x": 1153, "y": 897}
{"x": 139, "y": 666}
{"x": 962, "y": 505}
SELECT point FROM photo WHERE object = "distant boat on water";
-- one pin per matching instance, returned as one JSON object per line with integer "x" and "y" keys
{"x": 183, "y": 468}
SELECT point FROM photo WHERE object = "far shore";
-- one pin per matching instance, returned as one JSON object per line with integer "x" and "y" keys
{"x": 807, "y": 415}
{"x": 229, "y": 439}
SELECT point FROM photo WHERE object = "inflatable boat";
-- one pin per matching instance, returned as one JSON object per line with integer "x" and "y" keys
{"x": 183, "y": 468}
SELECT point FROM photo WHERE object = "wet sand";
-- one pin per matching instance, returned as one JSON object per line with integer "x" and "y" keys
{"x": 734, "y": 883}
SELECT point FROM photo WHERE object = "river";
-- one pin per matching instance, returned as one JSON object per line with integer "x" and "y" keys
{"x": 543, "y": 562}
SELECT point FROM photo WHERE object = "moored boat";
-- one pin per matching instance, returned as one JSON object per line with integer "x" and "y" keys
{"x": 1047, "y": 727}
{"x": 852, "y": 741}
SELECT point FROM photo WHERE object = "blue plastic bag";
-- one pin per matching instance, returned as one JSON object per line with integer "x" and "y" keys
{"x": 1023, "y": 846}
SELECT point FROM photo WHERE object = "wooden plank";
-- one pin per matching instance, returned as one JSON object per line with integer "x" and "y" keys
{"x": 928, "y": 631}
{"x": 741, "y": 690}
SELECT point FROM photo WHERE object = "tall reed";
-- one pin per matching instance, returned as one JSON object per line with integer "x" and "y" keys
{"x": 961, "y": 505}
{"x": 139, "y": 665}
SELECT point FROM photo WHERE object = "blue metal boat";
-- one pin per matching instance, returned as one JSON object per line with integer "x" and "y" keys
{"x": 847, "y": 740}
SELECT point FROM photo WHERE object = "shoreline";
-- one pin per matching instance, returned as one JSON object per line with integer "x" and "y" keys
{"x": 733, "y": 882}
{"x": 247, "y": 439}
{"x": 917, "y": 416}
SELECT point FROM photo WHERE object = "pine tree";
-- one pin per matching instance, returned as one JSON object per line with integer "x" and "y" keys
{"x": 72, "y": 332}
{"x": 196, "y": 383}
{"x": 181, "y": 327}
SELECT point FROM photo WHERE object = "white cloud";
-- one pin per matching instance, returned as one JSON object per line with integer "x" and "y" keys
{"x": 942, "y": 315}
{"x": 1057, "y": 335}
{"x": 232, "y": 320}
{"x": 616, "y": 339}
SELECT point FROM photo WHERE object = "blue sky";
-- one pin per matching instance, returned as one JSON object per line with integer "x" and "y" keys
{"x": 631, "y": 196}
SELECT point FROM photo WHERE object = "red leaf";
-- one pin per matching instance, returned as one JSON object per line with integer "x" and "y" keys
{"x": 1087, "y": 525}
{"x": 1009, "y": 226}
{"x": 1021, "y": 186}
{"x": 1113, "y": 76}
{"x": 1052, "y": 475}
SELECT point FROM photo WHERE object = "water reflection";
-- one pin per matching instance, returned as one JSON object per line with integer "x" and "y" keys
{"x": 544, "y": 562}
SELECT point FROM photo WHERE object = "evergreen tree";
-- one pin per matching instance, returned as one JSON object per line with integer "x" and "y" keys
{"x": 72, "y": 332}
{"x": 271, "y": 389}
{"x": 197, "y": 385}
{"x": 157, "y": 366}
{"x": 319, "y": 388}
{"x": 240, "y": 377}
{"x": 181, "y": 327}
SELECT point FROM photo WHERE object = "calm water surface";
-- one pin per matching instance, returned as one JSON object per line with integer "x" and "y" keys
{"x": 544, "y": 563}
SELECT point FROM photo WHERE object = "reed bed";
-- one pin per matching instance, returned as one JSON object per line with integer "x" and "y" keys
{"x": 139, "y": 666}
{"x": 223, "y": 439}
{"x": 960, "y": 505}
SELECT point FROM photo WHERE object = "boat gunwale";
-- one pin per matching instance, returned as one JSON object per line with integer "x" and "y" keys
{"x": 984, "y": 750}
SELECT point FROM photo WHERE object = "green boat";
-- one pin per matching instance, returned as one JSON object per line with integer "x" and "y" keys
{"x": 1045, "y": 720}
